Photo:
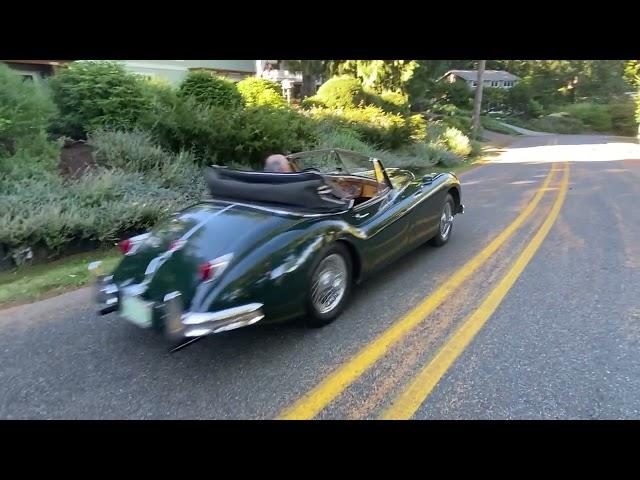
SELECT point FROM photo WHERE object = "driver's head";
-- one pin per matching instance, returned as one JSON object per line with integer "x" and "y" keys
{"x": 277, "y": 163}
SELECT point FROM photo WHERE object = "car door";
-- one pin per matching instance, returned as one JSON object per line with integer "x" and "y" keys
{"x": 384, "y": 224}
{"x": 427, "y": 199}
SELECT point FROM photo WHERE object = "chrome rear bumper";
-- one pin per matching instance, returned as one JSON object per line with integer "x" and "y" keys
{"x": 177, "y": 323}
{"x": 105, "y": 292}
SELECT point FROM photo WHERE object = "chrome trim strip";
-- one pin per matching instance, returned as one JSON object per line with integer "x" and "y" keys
{"x": 283, "y": 212}
{"x": 197, "y": 318}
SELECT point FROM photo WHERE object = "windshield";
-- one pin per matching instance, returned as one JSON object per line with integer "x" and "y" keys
{"x": 334, "y": 161}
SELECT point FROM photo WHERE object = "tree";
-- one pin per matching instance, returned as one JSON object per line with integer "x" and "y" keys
{"x": 477, "y": 103}
{"x": 311, "y": 70}
{"x": 378, "y": 75}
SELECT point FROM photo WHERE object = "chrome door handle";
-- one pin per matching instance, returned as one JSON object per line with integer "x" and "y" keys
{"x": 361, "y": 215}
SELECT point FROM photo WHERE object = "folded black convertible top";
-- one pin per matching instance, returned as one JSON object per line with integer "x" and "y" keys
{"x": 294, "y": 191}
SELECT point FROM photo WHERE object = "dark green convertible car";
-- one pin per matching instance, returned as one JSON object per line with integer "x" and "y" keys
{"x": 267, "y": 247}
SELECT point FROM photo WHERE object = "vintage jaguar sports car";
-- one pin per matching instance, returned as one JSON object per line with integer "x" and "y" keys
{"x": 267, "y": 247}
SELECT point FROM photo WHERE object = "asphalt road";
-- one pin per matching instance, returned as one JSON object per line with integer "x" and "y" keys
{"x": 564, "y": 342}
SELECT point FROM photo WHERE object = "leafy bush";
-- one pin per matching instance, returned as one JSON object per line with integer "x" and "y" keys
{"x": 460, "y": 122}
{"x": 25, "y": 112}
{"x": 260, "y": 91}
{"x": 449, "y": 138}
{"x": 218, "y": 135}
{"x": 518, "y": 99}
{"x": 92, "y": 95}
{"x": 418, "y": 127}
{"x": 391, "y": 102}
{"x": 550, "y": 124}
{"x": 622, "y": 118}
{"x": 374, "y": 125}
{"x": 341, "y": 92}
{"x": 135, "y": 151}
{"x": 347, "y": 139}
{"x": 40, "y": 155}
{"x": 456, "y": 93}
{"x": 534, "y": 108}
{"x": 593, "y": 116}
{"x": 211, "y": 91}
{"x": 312, "y": 102}
{"x": 493, "y": 99}
{"x": 100, "y": 207}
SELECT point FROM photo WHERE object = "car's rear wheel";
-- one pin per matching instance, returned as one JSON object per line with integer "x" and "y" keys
{"x": 446, "y": 223}
{"x": 329, "y": 286}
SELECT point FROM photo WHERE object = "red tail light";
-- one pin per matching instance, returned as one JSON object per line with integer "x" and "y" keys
{"x": 206, "y": 271}
{"x": 213, "y": 268}
{"x": 125, "y": 246}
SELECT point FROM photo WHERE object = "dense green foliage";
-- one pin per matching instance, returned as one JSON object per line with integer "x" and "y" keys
{"x": 259, "y": 91}
{"x": 91, "y": 95}
{"x": 341, "y": 92}
{"x": 25, "y": 112}
{"x": 211, "y": 91}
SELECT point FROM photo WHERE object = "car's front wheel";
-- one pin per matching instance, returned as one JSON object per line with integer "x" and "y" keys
{"x": 446, "y": 223}
{"x": 329, "y": 286}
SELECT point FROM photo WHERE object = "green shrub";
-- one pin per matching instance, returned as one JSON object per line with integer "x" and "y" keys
{"x": 101, "y": 206}
{"x": 593, "y": 116}
{"x": 135, "y": 151}
{"x": 449, "y": 138}
{"x": 218, "y": 135}
{"x": 267, "y": 130}
{"x": 391, "y": 102}
{"x": 260, "y": 91}
{"x": 92, "y": 95}
{"x": 374, "y": 125}
{"x": 211, "y": 91}
{"x": 518, "y": 99}
{"x": 456, "y": 93}
{"x": 534, "y": 108}
{"x": 563, "y": 125}
{"x": 622, "y": 118}
{"x": 493, "y": 99}
{"x": 341, "y": 92}
{"x": 418, "y": 127}
{"x": 462, "y": 123}
{"x": 25, "y": 112}
{"x": 34, "y": 159}
{"x": 312, "y": 102}
{"x": 344, "y": 138}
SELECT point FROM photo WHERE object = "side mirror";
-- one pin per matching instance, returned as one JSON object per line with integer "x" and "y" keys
{"x": 427, "y": 179}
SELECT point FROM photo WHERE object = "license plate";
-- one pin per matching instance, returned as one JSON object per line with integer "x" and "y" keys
{"x": 136, "y": 311}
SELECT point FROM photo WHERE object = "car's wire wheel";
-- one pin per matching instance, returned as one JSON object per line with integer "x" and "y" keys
{"x": 329, "y": 283}
{"x": 446, "y": 220}
{"x": 446, "y": 223}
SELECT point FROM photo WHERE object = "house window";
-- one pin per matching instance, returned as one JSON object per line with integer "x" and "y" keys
{"x": 494, "y": 83}
{"x": 508, "y": 83}
{"x": 475, "y": 83}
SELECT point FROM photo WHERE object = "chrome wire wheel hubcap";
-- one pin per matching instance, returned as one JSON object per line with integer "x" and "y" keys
{"x": 446, "y": 220}
{"x": 329, "y": 283}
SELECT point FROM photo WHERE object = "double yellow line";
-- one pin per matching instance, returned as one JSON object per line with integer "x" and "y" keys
{"x": 411, "y": 398}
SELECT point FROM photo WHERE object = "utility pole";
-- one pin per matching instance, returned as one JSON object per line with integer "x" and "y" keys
{"x": 477, "y": 102}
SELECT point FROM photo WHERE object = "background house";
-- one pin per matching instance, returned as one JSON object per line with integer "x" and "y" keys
{"x": 491, "y": 78}
{"x": 174, "y": 71}
{"x": 275, "y": 70}
{"x": 35, "y": 70}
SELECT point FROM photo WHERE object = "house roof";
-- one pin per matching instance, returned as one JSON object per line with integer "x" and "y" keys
{"x": 488, "y": 75}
